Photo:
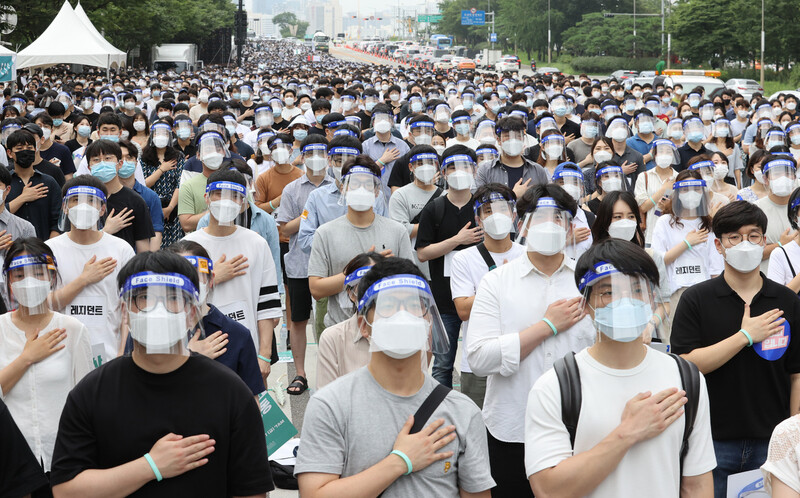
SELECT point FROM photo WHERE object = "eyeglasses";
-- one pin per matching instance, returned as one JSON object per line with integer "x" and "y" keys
{"x": 608, "y": 296}
{"x": 388, "y": 306}
{"x": 735, "y": 238}
{"x": 145, "y": 301}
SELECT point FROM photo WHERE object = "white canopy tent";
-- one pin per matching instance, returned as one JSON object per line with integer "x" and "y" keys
{"x": 70, "y": 39}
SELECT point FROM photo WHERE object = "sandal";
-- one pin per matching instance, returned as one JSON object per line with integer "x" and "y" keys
{"x": 299, "y": 384}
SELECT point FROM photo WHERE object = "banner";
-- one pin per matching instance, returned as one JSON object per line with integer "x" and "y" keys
{"x": 7, "y": 67}
{"x": 277, "y": 427}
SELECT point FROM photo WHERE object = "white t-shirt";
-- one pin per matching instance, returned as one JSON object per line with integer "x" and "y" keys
{"x": 694, "y": 265}
{"x": 783, "y": 455}
{"x": 472, "y": 143}
{"x": 466, "y": 271}
{"x": 778, "y": 223}
{"x": 98, "y": 305}
{"x": 250, "y": 297}
{"x": 779, "y": 269}
{"x": 650, "y": 467}
{"x": 575, "y": 251}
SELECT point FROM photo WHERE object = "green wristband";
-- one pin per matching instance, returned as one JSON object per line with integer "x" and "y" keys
{"x": 271, "y": 206}
{"x": 550, "y": 324}
{"x": 687, "y": 244}
{"x": 262, "y": 358}
{"x": 746, "y": 334}
{"x": 153, "y": 466}
{"x": 405, "y": 459}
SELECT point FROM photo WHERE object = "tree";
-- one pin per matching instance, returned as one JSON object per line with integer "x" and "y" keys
{"x": 290, "y": 25}
{"x": 613, "y": 36}
{"x": 703, "y": 31}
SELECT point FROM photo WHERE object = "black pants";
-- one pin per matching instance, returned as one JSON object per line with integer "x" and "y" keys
{"x": 507, "y": 461}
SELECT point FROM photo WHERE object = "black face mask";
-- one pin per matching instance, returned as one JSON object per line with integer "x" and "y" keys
{"x": 25, "y": 158}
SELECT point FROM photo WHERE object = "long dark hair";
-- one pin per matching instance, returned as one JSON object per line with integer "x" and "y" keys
{"x": 605, "y": 215}
{"x": 150, "y": 153}
{"x": 705, "y": 221}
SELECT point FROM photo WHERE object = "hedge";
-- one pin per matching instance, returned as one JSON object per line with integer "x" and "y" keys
{"x": 607, "y": 65}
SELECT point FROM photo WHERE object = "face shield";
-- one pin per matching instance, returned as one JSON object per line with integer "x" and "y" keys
{"x": 780, "y": 175}
{"x": 764, "y": 112}
{"x": 30, "y": 280}
{"x": 645, "y": 124}
{"x": 763, "y": 128}
{"x": 545, "y": 124}
{"x": 611, "y": 179}
{"x": 485, "y": 132}
{"x": 315, "y": 159}
{"x": 553, "y": 147}
{"x": 205, "y": 272}
{"x": 690, "y": 198}
{"x": 416, "y": 105}
{"x": 665, "y": 154}
{"x": 262, "y": 117}
{"x": 459, "y": 170}
{"x": 339, "y": 157}
{"x": 8, "y": 130}
{"x": 707, "y": 112}
{"x": 87, "y": 103}
{"x": 424, "y": 166}
{"x": 694, "y": 100}
{"x": 18, "y": 103}
{"x": 486, "y": 155}
{"x": 360, "y": 187}
{"x": 226, "y": 201}
{"x": 618, "y": 130}
{"x": 183, "y": 129}
{"x": 775, "y": 138}
{"x": 495, "y": 214}
{"x": 108, "y": 101}
{"x": 402, "y": 317}
{"x": 571, "y": 180}
{"x": 276, "y": 105}
{"x": 694, "y": 130}
{"x": 263, "y": 143}
{"x": 461, "y": 125}
{"x": 382, "y": 123}
{"x": 160, "y": 135}
{"x": 624, "y": 306}
{"x": 547, "y": 229}
{"x": 610, "y": 111}
{"x": 442, "y": 113}
{"x": 422, "y": 131}
{"x": 675, "y": 130}
{"x": 280, "y": 151}
{"x": 163, "y": 311}
{"x": 82, "y": 208}
{"x": 793, "y": 133}
{"x": 348, "y": 297}
{"x": 590, "y": 128}
{"x": 559, "y": 107}
{"x": 211, "y": 150}
{"x": 722, "y": 128}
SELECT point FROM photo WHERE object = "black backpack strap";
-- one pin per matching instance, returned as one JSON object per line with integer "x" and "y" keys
{"x": 432, "y": 198}
{"x": 427, "y": 407}
{"x": 690, "y": 379}
{"x": 487, "y": 258}
{"x": 788, "y": 261}
{"x": 569, "y": 381}
{"x": 438, "y": 212}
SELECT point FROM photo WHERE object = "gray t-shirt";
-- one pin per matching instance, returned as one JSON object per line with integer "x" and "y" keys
{"x": 405, "y": 204}
{"x": 352, "y": 423}
{"x": 580, "y": 148}
{"x": 338, "y": 241}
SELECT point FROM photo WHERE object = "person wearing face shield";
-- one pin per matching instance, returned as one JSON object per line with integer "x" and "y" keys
{"x": 252, "y": 297}
{"x": 320, "y": 108}
{"x": 762, "y": 110}
{"x": 160, "y": 298}
{"x": 735, "y": 327}
{"x": 420, "y": 132}
{"x": 462, "y": 125}
{"x": 336, "y": 242}
{"x": 384, "y": 147}
{"x": 270, "y": 184}
{"x": 407, "y": 202}
{"x": 784, "y": 259}
{"x": 780, "y": 173}
{"x": 211, "y": 153}
{"x": 514, "y": 345}
{"x": 693, "y": 131}
{"x": 569, "y": 177}
{"x": 654, "y": 187}
{"x": 399, "y": 316}
{"x": 512, "y": 168}
{"x": 618, "y": 281}
{"x": 560, "y": 109}
{"x": 682, "y": 235}
{"x": 642, "y": 141}
{"x": 494, "y": 210}
{"x": 631, "y": 160}
{"x": 32, "y": 337}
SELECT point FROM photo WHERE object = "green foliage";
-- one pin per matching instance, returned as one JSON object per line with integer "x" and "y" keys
{"x": 128, "y": 24}
{"x": 607, "y": 65}
{"x": 613, "y": 36}
{"x": 290, "y": 25}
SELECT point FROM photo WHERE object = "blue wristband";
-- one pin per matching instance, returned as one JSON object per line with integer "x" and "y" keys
{"x": 149, "y": 459}
{"x": 262, "y": 358}
{"x": 405, "y": 459}
{"x": 550, "y": 324}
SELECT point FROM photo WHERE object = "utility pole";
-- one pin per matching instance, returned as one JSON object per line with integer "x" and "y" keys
{"x": 240, "y": 28}
{"x": 549, "y": 43}
{"x": 762, "y": 43}
{"x": 634, "y": 29}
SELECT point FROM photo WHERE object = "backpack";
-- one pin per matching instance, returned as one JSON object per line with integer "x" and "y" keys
{"x": 569, "y": 380}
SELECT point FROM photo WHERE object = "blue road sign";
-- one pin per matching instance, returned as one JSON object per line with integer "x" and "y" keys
{"x": 493, "y": 38}
{"x": 470, "y": 18}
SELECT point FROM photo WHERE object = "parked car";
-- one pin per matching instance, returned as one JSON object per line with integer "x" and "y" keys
{"x": 445, "y": 62}
{"x": 507, "y": 63}
{"x": 544, "y": 71}
{"x": 466, "y": 64}
{"x": 746, "y": 87}
{"x": 624, "y": 74}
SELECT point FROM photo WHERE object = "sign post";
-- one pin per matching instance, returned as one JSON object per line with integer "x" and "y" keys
{"x": 473, "y": 17}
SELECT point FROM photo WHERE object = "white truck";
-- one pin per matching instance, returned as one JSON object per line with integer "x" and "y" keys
{"x": 177, "y": 57}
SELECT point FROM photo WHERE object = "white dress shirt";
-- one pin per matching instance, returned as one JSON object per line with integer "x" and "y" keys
{"x": 510, "y": 299}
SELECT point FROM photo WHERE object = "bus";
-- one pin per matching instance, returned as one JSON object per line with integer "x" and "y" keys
{"x": 441, "y": 41}
{"x": 320, "y": 42}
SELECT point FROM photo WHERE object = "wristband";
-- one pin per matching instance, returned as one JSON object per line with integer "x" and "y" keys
{"x": 271, "y": 206}
{"x": 405, "y": 459}
{"x": 746, "y": 334}
{"x": 660, "y": 321}
{"x": 381, "y": 163}
{"x": 550, "y": 324}
{"x": 153, "y": 466}
{"x": 687, "y": 244}
{"x": 262, "y": 358}
{"x": 651, "y": 200}
{"x": 779, "y": 244}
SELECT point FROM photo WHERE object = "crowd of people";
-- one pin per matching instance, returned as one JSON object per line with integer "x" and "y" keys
{"x": 618, "y": 262}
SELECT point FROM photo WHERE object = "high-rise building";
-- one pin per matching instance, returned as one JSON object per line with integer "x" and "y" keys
{"x": 325, "y": 16}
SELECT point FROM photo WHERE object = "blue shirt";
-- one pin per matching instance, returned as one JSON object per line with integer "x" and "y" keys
{"x": 241, "y": 352}
{"x": 264, "y": 225}
{"x": 153, "y": 203}
{"x": 323, "y": 206}
{"x": 638, "y": 144}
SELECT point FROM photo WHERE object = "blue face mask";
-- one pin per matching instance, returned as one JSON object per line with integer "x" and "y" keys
{"x": 127, "y": 169}
{"x": 320, "y": 118}
{"x": 110, "y": 138}
{"x": 694, "y": 136}
{"x": 104, "y": 171}
{"x": 462, "y": 128}
{"x": 183, "y": 133}
{"x": 58, "y": 122}
{"x": 468, "y": 104}
{"x": 623, "y": 320}
{"x": 300, "y": 135}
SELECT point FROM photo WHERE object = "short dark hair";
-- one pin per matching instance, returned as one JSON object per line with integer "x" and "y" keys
{"x": 528, "y": 201}
{"x": 101, "y": 148}
{"x": 314, "y": 138}
{"x": 386, "y": 268}
{"x": 510, "y": 124}
{"x": 360, "y": 260}
{"x": 20, "y": 137}
{"x": 56, "y": 109}
{"x": 364, "y": 161}
{"x": 733, "y": 216}
{"x": 5, "y": 176}
{"x": 84, "y": 181}
{"x": 133, "y": 151}
{"x": 627, "y": 257}
{"x": 482, "y": 192}
{"x": 158, "y": 262}
{"x": 459, "y": 149}
{"x": 109, "y": 118}
{"x": 283, "y": 137}
{"x": 227, "y": 175}
{"x": 345, "y": 141}
{"x": 320, "y": 104}
{"x": 190, "y": 247}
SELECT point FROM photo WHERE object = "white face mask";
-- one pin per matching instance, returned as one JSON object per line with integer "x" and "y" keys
{"x": 459, "y": 180}
{"x": 138, "y": 125}
{"x": 400, "y": 335}
{"x": 513, "y": 147}
{"x": 622, "y": 229}
{"x": 316, "y": 164}
{"x": 602, "y": 156}
{"x": 213, "y": 160}
{"x": 745, "y": 256}
{"x": 498, "y": 225}
{"x": 46, "y": 132}
{"x": 158, "y": 330}
{"x": 347, "y": 105}
{"x": 573, "y": 190}
{"x": 160, "y": 141}
{"x": 664, "y": 160}
{"x": 720, "y": 171}
{"x": 30, "y": 291}
{"x": 225, "y": 210}
{"x": 690, "y": 199}
{"x": 383, "y": 126}
{"x": 759, "y": 176}
{"x": 83, "y": 216}
{"x": 360, "y": 199}
{"x": 611, "y": 184}
{"x": 423, "y": 139}
{"x": 425, "y": 173}
{"x": 546, "y": 238}
{"x": 305, "y": 106}
{"x": 280, "y": 155}
{"x": 781, "y": 186}
{"x": 439, "y": 149}
{"x": 619, "y": 134}
{"x": 554, "y": 151}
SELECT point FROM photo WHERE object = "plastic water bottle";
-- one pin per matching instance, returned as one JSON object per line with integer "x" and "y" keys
{"x": 284, "y": 335}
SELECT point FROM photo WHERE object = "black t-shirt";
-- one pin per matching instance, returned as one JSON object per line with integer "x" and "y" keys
{"x": 570, "y": 127}
{"x": 748, "y": 395}
{"x": 400, "y": 175}
{"x": 687, "y": 153}
{"x": 451, "y": 133}
{"x": 451, "y": 222}
{"x": 366, "y": 119}
{"x": 48, "y": 168}
{"x": 20, "y": 473}
{"x": 63, "y": 154}
{"x": 514, "y": 174}
{"x": 142, "y": 226}
{"x": 118, "y": 412}
{"x": 73, "y": 145}
{"x": 42, "y": 213}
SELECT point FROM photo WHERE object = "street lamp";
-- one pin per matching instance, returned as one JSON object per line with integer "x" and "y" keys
{"x": 549, "y": 43}
{"x": 762, "y": 43}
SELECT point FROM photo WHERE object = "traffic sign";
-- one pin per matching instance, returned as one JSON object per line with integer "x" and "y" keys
{"x": 430, "y": 18}
{"x": 473, "y": 17}
{"x": 493, "y": 38}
